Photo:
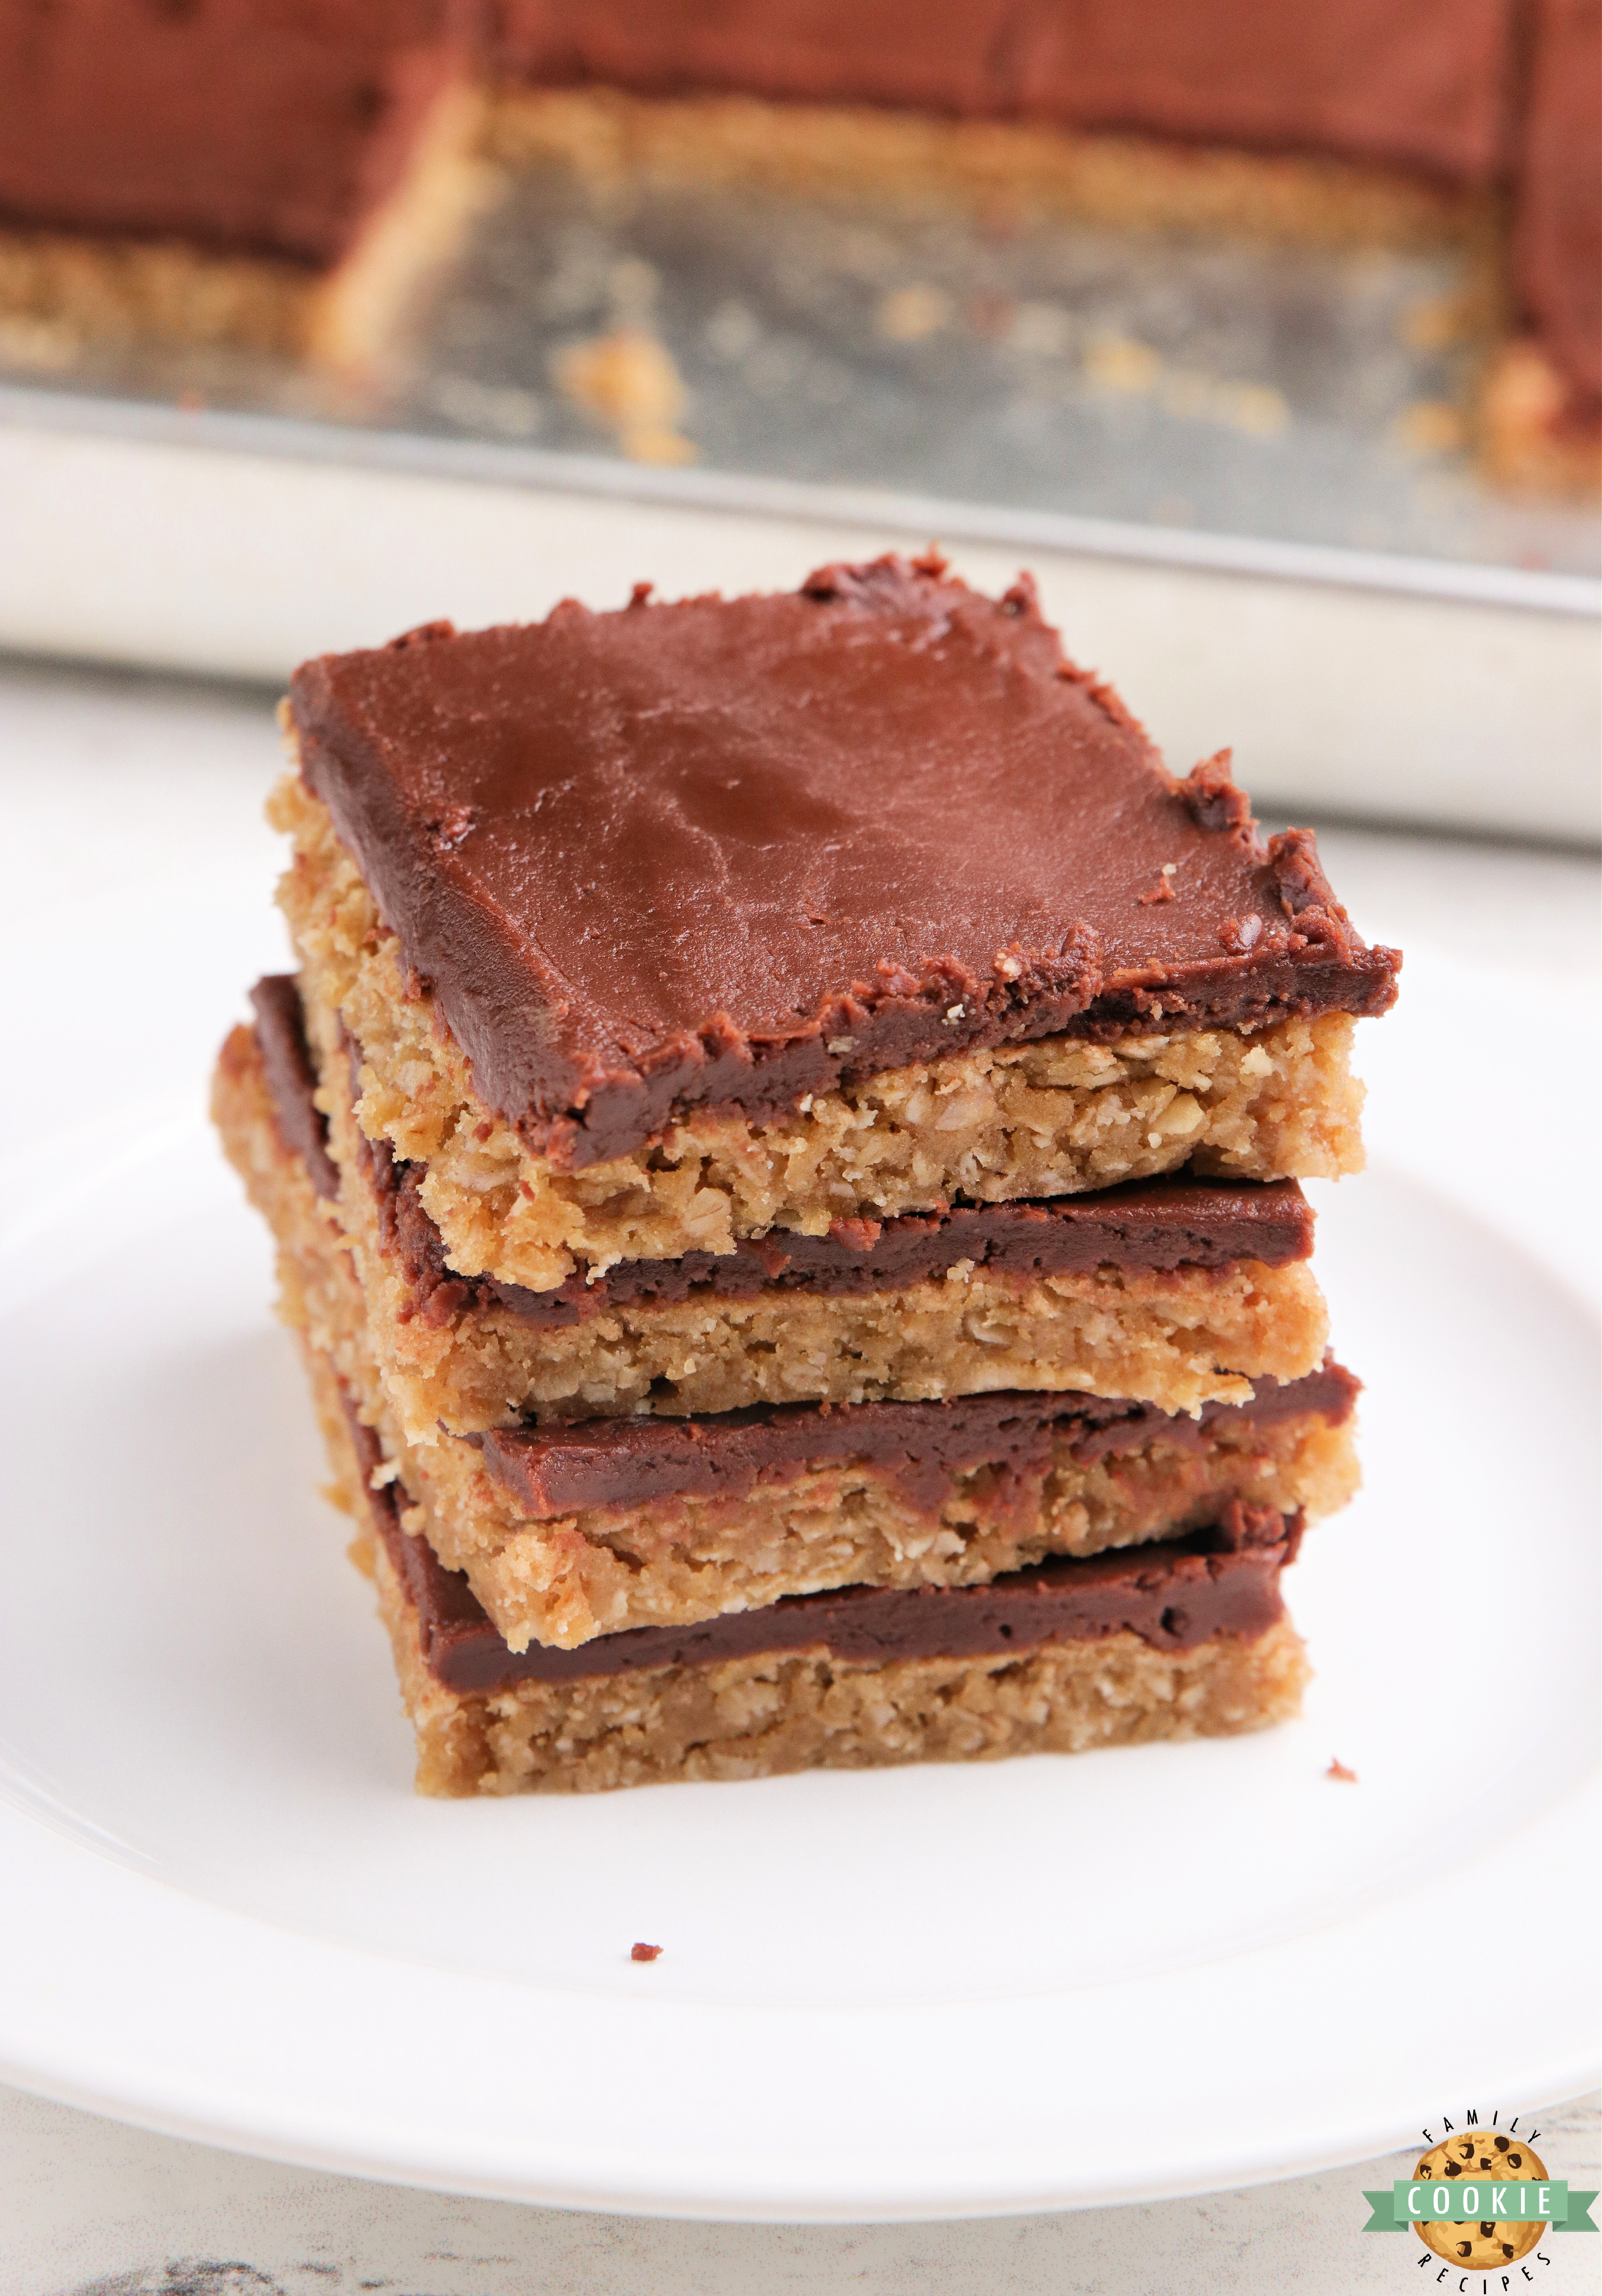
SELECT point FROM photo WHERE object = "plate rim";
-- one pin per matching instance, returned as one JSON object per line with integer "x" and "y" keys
{"x": 234, "y": 2111}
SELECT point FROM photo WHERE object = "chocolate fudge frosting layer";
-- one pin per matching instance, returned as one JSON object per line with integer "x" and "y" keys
{"x": 1151, "y": 1224}
{"x": 921, "y": 1447}
{"x": 1222, "y": 1581}
{"x": 725, "y": 854}
{"x": 1424, "y": 83}
{"x": 250, "y": 129}
{"x": 286, "y": 1057}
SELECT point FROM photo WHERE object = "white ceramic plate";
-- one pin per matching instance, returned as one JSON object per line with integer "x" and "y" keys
{"x": 934, "y": 1992}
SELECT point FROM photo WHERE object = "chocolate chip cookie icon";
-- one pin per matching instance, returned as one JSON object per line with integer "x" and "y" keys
{"x": 1476, "y": 2160}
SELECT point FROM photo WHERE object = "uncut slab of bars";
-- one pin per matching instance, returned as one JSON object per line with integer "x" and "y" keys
{"x": 783, "y": 1147}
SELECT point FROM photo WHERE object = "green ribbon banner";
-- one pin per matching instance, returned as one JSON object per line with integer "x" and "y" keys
{"x": 1480, "y": 2200}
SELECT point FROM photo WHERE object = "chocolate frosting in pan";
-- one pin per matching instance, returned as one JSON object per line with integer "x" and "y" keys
{"x": 1423, "y": 83}
{"x": 247, "y": 129}
{"x": 723, "y": 853}
{"x": 259, "y": 125}
{"x": 1220, "y": 1581}
{"x": 921, "y": 1447}
{"x": 276, "y": 130}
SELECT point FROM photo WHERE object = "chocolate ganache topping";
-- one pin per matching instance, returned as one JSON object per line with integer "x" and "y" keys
{"x": 725, "y": 854}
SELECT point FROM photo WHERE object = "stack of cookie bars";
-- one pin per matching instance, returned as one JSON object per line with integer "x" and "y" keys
{"x": 783, "y": 1147}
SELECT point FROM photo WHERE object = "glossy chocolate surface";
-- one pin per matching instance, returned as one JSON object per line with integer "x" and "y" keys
{"x": 725, "y": 854}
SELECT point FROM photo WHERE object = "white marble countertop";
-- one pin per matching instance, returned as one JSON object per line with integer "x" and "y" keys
{"x": 95, "y": 2209}
{"x": 89, "y": 2205}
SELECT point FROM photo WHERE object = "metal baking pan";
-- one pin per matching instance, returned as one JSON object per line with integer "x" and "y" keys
{"x": 1238, "y": 470}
